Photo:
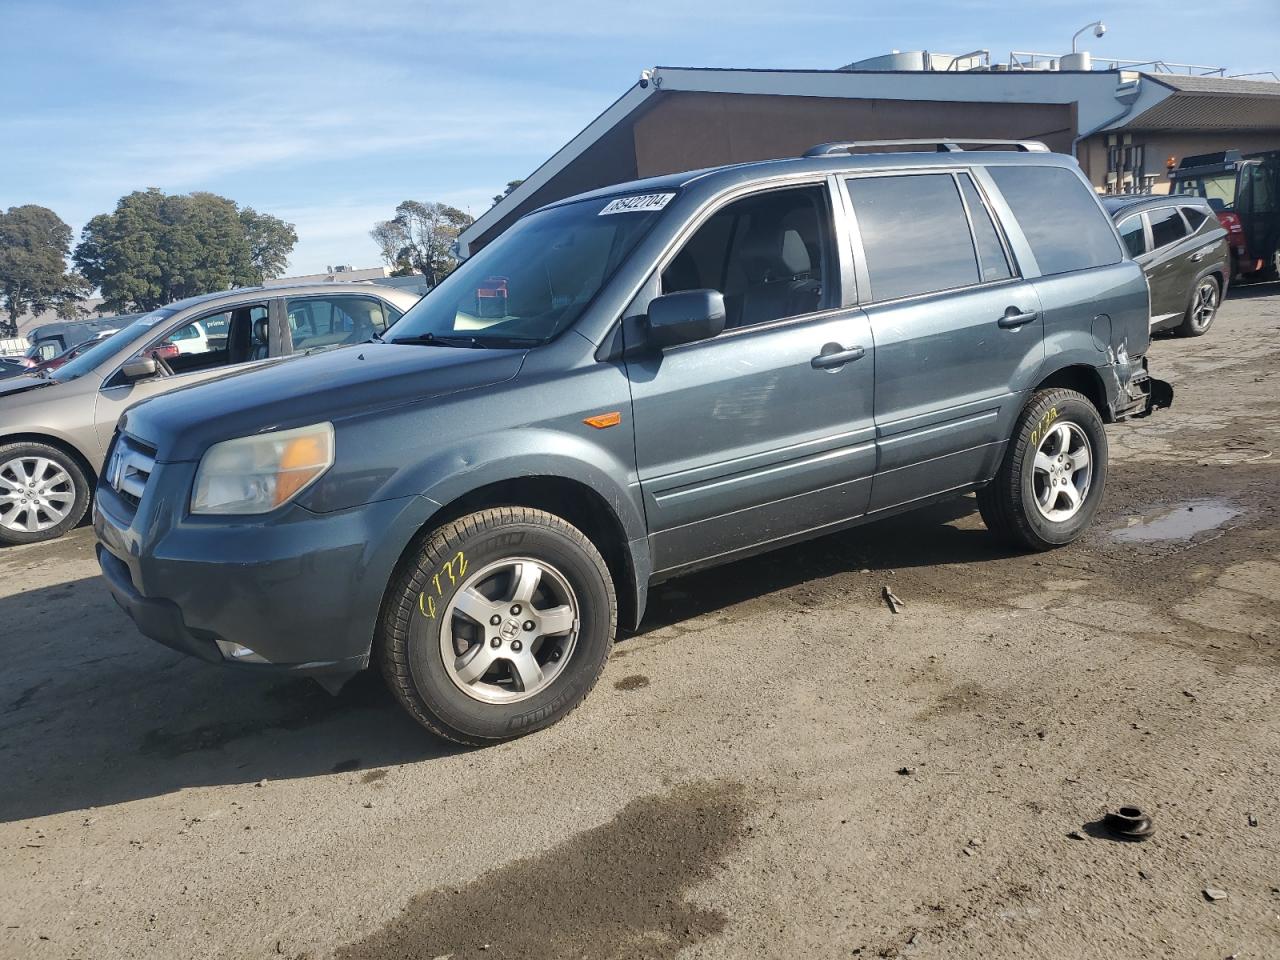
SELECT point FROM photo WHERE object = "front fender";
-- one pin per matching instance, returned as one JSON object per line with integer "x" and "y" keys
{"x": 531, "y": 452}
{"x": 468, "y": 465}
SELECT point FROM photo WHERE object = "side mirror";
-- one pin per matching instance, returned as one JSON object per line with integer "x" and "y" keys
{"x": 685, "y": 317}
{"x": 139, "y": 368}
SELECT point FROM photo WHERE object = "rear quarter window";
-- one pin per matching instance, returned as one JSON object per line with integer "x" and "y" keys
{"x": 1059, "y": 216}
{"x": 1195, "y": 216}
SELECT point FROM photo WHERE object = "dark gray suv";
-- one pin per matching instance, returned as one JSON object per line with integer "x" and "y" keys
{"x": 625, "y": 386}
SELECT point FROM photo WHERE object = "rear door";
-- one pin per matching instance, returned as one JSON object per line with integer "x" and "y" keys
{"x": 765, "y": 431}
{"x": 957, "y": 332}
{"x": 1169, "y": 269}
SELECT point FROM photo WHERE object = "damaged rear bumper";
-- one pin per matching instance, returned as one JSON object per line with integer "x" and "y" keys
{"x": 1141, "y": 394}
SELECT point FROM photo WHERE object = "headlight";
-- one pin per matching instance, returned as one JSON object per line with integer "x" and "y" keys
{"x": 257, "y": 474}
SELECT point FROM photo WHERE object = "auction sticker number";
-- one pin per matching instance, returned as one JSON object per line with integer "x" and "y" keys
{"x": 450, "y": 572}
{"x": 639, "y": 204}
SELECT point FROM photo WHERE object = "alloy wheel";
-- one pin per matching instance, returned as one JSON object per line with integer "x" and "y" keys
{"x": 1205, "y": 304}
{"x": 509, "y": 630}
{"x": 36, "y": 494}
{"x": 1063, "y": 472}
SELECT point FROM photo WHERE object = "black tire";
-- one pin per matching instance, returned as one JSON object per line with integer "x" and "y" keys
{"x": 1202, "y": 308}
{"x": 1008, "y": 504}
{"x": 409, "y": 635}
{"x": 26, "y": 450}
{"x": 1270, "y": 268}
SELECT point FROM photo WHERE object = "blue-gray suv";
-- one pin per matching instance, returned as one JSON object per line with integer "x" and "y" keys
{"x": 625, "y": 386}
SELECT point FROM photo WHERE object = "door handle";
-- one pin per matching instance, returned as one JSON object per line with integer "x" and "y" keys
{"x": 1013, "y": 318}
{"x": 834, "y": 355}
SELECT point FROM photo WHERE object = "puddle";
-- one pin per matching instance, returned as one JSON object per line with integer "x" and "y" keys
{"x": 618, "y": 890}
{"x": 1177, "y": 523}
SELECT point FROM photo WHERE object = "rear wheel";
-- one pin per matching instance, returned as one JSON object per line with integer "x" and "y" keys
{"x": 1205, "y": 299}
{"x": 43, "y": 492}
{"x": 1051, "y": 480}
{"x": 499, "y": 627}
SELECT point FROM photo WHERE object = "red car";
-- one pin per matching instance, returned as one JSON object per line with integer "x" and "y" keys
{"x": 66, "y": 356}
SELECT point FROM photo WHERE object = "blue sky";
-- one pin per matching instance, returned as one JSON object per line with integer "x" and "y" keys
{"x": 329, "y": 113}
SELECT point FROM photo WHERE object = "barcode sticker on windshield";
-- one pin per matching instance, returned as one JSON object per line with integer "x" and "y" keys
{"x": 640, "y": 204}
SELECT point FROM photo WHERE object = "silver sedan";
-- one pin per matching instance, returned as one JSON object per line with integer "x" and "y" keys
{"x": 55, "y": 428}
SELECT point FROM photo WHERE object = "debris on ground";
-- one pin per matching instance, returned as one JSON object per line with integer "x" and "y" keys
{"x": 1076, "y": 835}
{"x": 905, "y": 771}
{"x": 1128, "y": 823}
{"x": 1251, "y": 819}
{"x": 1212, "y": 894}
{"x": 891, "y": 598}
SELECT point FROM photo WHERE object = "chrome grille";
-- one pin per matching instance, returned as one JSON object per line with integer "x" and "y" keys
{"x": 130, "y": 467}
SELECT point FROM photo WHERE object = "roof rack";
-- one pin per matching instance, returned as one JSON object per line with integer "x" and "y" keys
{"x": 941, "y": 145}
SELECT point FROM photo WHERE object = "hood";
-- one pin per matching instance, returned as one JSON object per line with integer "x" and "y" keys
{"x": 353, "y": 381}
{"x": 16, "y": 386}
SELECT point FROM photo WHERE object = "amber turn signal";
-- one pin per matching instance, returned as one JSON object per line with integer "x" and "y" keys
{"x": 602, "y": 420}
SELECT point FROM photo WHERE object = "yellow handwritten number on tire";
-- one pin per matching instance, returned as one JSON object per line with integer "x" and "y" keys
{"x": 450, "y": 572}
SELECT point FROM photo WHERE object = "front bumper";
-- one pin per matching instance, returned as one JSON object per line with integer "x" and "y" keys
{"x": 295, "y": 591}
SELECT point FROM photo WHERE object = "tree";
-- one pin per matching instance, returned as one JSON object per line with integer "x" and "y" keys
{"x": 156, "y": 248}
{"x": 420, "y": 238}
{"x": 270, "y": 242}
{"x": 511, "y": 185}
{"x": 34, "y": 244}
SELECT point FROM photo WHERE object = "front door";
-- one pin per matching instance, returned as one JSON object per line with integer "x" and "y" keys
{"x": 190, "y": 350}
{"x": 956, "y": 331}
{"x": 761, "y": 433}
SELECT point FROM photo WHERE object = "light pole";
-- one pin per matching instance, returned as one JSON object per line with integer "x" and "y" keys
{"x": 1099, "y": 28}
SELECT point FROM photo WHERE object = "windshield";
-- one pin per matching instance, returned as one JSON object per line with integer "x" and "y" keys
{"x": 536, "y": 279}
{"x": 137, "y": 330}
{"x": 1218, "y": 188}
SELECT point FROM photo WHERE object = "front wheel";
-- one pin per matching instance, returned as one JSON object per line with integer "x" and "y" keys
{"x": 1051, "y": 480}
{"x": 499, "y": 626}
{"x": 43, "y": 492}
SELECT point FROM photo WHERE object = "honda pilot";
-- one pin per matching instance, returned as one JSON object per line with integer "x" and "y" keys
{"x": 625, "y": 386}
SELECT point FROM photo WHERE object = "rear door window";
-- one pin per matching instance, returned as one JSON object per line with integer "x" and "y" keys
{"x": 1059, "y": 216}
{"x": 992, "y": 259}
{"x": 1133, "y": 235}
{"x": 1167, "y": 226}
{"x": 915, "y": 234}
{"x": 316, "y": 322}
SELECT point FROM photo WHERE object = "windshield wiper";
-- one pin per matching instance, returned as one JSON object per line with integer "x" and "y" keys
{"x": 435, "y": 340}
{"x": 478, "y": 343}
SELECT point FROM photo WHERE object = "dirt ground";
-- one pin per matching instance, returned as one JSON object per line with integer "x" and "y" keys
{"x": 775, "y": 765}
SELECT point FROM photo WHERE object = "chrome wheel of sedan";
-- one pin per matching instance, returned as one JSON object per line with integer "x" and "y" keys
{"x": 36, "y": 494}
{"x": 510, "y": 630}
{"x": 1063, "y": 472}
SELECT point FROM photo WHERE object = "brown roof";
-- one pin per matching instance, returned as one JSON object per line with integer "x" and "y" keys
{"x": 1211, "y": 103}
